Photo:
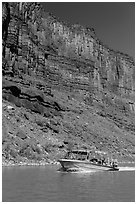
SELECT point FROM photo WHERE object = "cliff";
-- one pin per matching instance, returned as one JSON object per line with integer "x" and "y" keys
{"x": 81, "y": 90}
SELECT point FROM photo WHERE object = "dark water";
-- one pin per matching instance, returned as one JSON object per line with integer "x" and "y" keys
{"x": 45, "y": 183}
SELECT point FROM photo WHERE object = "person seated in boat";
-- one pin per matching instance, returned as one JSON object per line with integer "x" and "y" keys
{"x": 72, "y": 156}
{"x": 99, "y": 162}
{"x": 83, "y": 157}
{"x": 114, "y": 164}
{"x": 94, "y": 160}
{"x": 78, "y": 157}
{"x": 103, "y": 161}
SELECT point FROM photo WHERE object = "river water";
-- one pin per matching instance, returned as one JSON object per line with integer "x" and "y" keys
{"x": 47, "y": 184}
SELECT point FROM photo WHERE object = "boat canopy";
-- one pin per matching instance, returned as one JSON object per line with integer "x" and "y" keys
{"x": 85, "y": 152}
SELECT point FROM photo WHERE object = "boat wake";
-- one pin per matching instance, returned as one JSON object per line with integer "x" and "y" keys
{"x": 81, "y": 171}
{"x": 77, "y": 171}
{"x": 126, "y": 168}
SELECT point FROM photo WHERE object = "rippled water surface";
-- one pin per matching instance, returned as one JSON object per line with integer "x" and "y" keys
{"x": 46, "y": 183}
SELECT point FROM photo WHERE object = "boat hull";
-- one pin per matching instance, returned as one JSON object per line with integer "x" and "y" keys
{"x": 68, "y": 164}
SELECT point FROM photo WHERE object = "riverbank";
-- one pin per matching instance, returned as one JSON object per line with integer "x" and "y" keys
{"x": 31, "y": 163}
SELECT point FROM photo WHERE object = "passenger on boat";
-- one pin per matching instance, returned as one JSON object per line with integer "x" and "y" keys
{"x": 103, "y": 161}
{"x": 94, "y": 160}
{"x": 114, "y": 164}
{"x": 72, "y": 156}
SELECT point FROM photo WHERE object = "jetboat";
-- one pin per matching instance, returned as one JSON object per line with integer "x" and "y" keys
{"x": 85, "y": 160}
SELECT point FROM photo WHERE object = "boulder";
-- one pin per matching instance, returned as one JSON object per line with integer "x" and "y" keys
{"x": 21, "y": 135}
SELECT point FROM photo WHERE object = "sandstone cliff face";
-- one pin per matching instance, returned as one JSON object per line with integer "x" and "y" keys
{"x": 31, "y": 33}
{"x": 66, "y": 58}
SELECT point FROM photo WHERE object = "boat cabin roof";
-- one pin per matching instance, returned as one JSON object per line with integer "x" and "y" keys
{"x": 81, "y": 151}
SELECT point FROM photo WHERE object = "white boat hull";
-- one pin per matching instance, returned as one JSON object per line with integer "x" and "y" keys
{"x": 68, "y": 164}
